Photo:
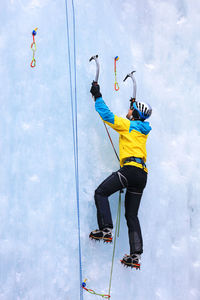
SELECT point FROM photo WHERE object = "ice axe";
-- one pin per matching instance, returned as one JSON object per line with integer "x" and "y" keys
{"x": 134, "y": 83}
{"x": 95, "y": 57}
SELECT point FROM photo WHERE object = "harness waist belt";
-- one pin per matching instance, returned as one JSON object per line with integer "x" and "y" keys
{"x": 138, "y": 160}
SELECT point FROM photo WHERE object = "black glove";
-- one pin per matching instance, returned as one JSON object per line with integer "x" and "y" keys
{"x": 95, "y": 90}
{"x": 132, "y": 100}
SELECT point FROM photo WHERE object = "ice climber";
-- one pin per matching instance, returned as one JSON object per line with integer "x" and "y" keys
{"x": 132, "y": 175}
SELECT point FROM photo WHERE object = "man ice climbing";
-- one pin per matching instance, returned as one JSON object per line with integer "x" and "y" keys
{"x": 132, "y": 175}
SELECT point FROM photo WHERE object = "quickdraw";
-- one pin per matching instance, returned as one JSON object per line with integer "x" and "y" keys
{"x": 115, "y": 70}
{"x": 33, "y": 47}
{"x": 93, "y": 292}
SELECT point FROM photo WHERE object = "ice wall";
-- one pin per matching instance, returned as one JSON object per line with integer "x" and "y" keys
{"x": 38, "y": 235}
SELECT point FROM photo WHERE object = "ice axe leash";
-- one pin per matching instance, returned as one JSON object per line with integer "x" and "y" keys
{"x": 95, "y": 57}
{"x": 134, "y": 84}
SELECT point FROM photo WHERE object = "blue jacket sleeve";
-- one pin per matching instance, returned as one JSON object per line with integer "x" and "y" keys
{"x": 121, "y": 125}
{"x": 104, "y": 111}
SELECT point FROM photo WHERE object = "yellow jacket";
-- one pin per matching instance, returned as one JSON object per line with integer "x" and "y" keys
{"x": 133, "y": 134}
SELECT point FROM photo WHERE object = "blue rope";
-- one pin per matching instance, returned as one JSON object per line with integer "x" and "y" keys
{"x": 76, "y": 135}
{"x": 75, "y": 88}
{"x": 75, "y": 127}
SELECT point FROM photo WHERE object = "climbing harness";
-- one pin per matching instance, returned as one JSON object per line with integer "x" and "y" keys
{"x": 33, "y": 47}
{"x": 95, "y": 57}
{"x": 116, "y": 85}
{"x": 138, "y": 160}
{"x": 93, "y": 292}
{"x": 121, "y": 181}
{"x": 73, "y": 96}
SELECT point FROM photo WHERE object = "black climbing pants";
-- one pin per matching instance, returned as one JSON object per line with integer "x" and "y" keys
{"x": 134, "y": 180}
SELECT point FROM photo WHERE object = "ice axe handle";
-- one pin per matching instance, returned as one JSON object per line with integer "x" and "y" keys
{"x": 134, "y": 83}
{"x": 95, "y": 57}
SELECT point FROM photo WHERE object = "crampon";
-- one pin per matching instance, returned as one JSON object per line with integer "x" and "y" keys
{"x": 104, "y": 235}
{"x": 131, "y": 261}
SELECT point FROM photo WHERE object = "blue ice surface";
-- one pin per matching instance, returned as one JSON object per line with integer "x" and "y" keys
{"x": 38, "y": 232}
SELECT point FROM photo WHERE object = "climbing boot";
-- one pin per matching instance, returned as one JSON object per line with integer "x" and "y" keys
{"x": 104, "y": 235}
{"x": 132, "y": 261}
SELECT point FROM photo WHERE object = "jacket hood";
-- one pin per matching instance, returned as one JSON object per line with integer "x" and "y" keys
{"x": 144, "y": 127}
